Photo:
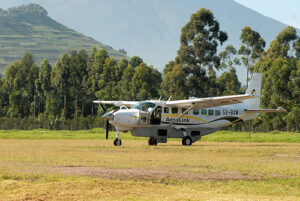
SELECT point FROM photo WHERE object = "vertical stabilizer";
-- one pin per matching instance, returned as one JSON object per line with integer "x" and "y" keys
{"x": 254, "y": 88}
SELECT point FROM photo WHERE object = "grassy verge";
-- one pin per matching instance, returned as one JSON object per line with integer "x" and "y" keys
{"x": 99, "y": 133}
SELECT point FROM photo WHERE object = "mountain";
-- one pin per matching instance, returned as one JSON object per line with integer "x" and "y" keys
{"x": 151, "y": 28}
{"x": 29, "y": 29}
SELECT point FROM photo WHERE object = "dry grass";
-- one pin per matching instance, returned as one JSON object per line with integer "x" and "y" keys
{"x": 96, "y": 170}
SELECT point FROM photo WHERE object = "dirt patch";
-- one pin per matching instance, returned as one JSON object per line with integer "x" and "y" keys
{"x": 143, "y": 173}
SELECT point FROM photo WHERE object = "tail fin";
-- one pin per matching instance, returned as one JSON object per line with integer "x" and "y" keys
{"x": 254, "y": 89}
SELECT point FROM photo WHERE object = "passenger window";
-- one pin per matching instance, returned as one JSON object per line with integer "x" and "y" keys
{"x": 204, "y": 112}
{"x": 174, "y": 110}
{"x": 218, "y": 112}
{"x": 196, "y": 112}
{"x": 210, "y": 112}
{"x": 183, "y": 110}
{"x": 166, "y": 110}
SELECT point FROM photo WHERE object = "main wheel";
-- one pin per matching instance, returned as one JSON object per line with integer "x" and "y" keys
{"x": 152, "y": 141}
{"x": 117, "y": 142}
{"x": 187, "y": 141}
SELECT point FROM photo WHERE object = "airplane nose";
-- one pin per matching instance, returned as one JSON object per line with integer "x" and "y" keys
{"x": 108, "y": 116}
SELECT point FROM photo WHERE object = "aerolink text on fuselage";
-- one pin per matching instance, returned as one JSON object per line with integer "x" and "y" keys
{"x": 181, "y": 120}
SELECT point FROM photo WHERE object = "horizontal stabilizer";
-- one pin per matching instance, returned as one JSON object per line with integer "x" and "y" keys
{"x": 261, "y": 111}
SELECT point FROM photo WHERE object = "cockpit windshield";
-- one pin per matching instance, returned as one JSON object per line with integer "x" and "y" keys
{"x": 144, "y": 106}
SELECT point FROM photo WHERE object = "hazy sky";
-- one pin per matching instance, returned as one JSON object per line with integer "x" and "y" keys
{"x": 286, "y": 11}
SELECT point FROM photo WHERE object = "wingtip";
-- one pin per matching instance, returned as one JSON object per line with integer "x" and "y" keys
{"x": 280, "y": 109}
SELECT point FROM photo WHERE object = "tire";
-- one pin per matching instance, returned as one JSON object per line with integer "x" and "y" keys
{"x": 152, "y": 141}
{"x": 187, "y": 141}
{"x": 117, "y": 142}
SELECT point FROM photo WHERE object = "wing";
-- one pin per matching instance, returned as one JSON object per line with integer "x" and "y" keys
{"x": 261, "y": 111}
{"x": 210, "y": 102}
{"x": 117, "y": 103}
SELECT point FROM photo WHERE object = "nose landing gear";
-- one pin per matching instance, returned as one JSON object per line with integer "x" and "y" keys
{"x": 118, "y": 141}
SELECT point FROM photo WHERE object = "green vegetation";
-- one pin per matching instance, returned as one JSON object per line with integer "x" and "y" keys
{"x": 29, "y": 29}
{"x": 99, "y": 133}
{"x": 55, "y": 98}
{"x": 96, "y": 170}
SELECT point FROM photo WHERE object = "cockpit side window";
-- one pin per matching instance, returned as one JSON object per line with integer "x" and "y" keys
{"x": 144, "y": 106}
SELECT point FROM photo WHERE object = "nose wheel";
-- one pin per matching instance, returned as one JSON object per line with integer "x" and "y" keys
{"x": 118, "y": 141}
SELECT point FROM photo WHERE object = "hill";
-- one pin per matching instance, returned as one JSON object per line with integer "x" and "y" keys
{"x": 29, "y": 29}
{"x": 151, "y": 28}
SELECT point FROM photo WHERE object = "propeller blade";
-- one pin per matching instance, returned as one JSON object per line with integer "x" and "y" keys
{"x": 107, "y": 128}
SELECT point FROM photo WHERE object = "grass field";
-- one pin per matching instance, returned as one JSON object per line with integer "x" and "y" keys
{"x": 99, "y": 133}
{"x": 56, "y": 165}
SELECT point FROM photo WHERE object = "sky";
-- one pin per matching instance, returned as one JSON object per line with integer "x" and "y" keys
{"x": 285, "y": 11}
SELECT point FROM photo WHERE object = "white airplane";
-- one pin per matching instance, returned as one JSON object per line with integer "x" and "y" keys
{"x": 187, "y": 119}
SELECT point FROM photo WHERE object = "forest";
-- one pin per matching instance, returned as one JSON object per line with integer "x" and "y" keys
{"x": 60, "y": 97}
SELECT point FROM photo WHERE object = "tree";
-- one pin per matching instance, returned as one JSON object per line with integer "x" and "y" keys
{"x": 251, "y": 49}
{"x": 281, "y": 45}
{"x": 20, "y": 84}
{"x": 3, "y": 98}
{"x": 60, "y": 81}
{"x": 83, "y": 85}
{"x": 135, "y": 61}
{"x": 228, "y": 83}
{"x": 125, "y": 85}
{"x": 199, "y": 40}
{"x": 227, "y": 62}
{"x": 107, "y": 83}
{"x": 145, "y": 82}
{"x": 174, "y": 84}
{"x": 296, "y": 46}
{"x": 96, "y": 61}
{"x": 43, "y": 85}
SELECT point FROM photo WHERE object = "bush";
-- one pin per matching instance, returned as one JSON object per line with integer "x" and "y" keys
{"x": 52, "y": 123}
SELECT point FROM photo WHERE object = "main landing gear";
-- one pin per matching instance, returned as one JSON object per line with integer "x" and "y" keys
{"x": 118, "y": 141}
{"x": 187, "y": 141}
{"x": 152, "y": 141}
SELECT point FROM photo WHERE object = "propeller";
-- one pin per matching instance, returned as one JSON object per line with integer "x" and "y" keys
{"x": 107, "y": 122}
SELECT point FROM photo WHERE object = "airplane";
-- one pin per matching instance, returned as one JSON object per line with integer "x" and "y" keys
{"x": 187, "y": 119}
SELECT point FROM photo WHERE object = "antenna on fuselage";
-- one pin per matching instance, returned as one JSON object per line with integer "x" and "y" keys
{"x": 169, "y": 98}
{"x": 159, "y": 98}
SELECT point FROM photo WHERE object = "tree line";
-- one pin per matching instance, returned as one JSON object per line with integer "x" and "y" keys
{"x": 62, "y": 95}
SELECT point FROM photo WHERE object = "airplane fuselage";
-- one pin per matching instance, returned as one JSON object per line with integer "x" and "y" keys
{"x": 216, "y": 117}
